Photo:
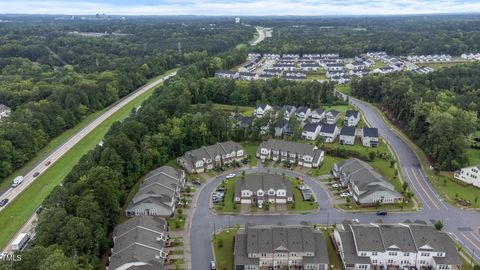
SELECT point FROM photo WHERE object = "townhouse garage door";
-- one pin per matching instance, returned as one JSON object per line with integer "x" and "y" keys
{"x": 281, "y": 200}
{"x": 245, "y": 201}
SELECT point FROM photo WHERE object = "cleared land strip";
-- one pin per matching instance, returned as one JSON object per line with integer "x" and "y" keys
{"x": 19, "y": 210}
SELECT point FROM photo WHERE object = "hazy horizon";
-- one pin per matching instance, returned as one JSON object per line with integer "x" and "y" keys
{"x": 241, "y": 7}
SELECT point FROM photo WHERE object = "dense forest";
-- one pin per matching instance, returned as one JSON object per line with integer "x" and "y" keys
{"x": 52, "y": 77}
{"x": 77, "y": 215}
{"x": 439, "y": 110}
{"x": 351, "y": 36}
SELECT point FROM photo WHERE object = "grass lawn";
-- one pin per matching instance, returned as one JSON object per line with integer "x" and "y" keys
{"x": 244, "y": 110}
{"x": 223, "y": 243}
{"x": 325, "y": 167}
{"x": 380, "y": 164}
{"x": 338, "y": 108}
{"x": 251, "y": 150}
{"x": 344, "y": 88}
{"x": 21, "y": 209}
{"x": 390, "y": 207}
{"x": 299, "y": 205}
{"x": 320, "y": 75}
{"x": 473, "y": 156}
{"x": 378, "y": 64}
{"x": 440, "y": 65}
{"x": 228, "y": 205}
{"x": 446, "y": 184}
{"x": 333, "y": 257}
{"x": 176, "y": 224}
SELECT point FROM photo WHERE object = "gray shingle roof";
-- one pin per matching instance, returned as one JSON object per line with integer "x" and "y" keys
{"x": 302, "y": 109}
{"x": 291, "y": 147}
{"x": 353, "y": 113}
{"x": 332, "y": 112}
{"x": 370, "y": 132}
{"x": 268, "y": 238}
{"x": 310, "y": 127}
{"x": 328, "y": 128}
{"x": 254, "y": 182}
{"x": 139, "y": 240}
{"x": 347, "y": 131}
{"x": 402, "y": 237}
{"x": 209, "y": 152}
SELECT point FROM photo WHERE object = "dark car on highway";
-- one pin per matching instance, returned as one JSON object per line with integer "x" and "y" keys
{"x": 36, "y": 174}
{"x": 381, "y": 213}
{"x": 3, "y": 202}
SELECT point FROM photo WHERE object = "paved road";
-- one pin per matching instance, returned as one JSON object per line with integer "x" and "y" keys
{"x": 461, "y": 224}
{"x": 261, "y": 35}
{"x": 56, "y": 154}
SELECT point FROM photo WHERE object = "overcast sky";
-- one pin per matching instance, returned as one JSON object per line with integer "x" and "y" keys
{"x": 239, "y": 7}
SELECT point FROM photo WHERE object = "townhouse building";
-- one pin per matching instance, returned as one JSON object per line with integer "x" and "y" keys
{"x": 260, "y": 188}
{"x": 365, "y": 184}
{"x": 159, "y": 193}
{"x": 279, "y": 247}
{"x": 139, "y": 243}
{"x": 407, "y": 245}
{"x": 212, "y": 156}
{"x": 301, "y": 154}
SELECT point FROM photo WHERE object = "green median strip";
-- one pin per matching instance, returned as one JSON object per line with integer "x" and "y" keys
{"x": 17, "y": 212}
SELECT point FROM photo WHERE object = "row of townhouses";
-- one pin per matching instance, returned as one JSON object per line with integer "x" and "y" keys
{"x": 280, "y": 247}
{"x": 301, "y": 154}
{"x": 302, "y": 113}
{"x": 261, "y": 188}
{"x": 470, "y": 56}
{"x": 366, "y": 185}
{"x": 407, "y": 245}
{"x": 139, "y": 243}
{"x": 430, "y": 58}
{"x": 159, "y": 193}
{"x": 212, "y": 156}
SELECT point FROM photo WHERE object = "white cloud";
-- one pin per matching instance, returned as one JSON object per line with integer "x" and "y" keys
{"x": 262, "y": 7}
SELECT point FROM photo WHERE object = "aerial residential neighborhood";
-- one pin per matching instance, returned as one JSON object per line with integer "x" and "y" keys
{"x": 240, "y": 135}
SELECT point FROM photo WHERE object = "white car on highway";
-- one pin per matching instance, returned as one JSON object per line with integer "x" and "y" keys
{"x": 230, "y": 175}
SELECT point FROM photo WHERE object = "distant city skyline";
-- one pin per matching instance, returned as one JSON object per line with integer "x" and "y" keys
{"x": 240, "y": 7}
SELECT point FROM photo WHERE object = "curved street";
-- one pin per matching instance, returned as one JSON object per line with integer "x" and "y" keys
{"x": 461, "y": 224}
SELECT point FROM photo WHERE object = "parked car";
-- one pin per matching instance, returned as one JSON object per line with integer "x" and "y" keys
{"x": 222, "y": 190}
{"x": 345, "y": 194}
{"x": 230, "y": 175}
{"x": 213, "y": 266}
{"x": 196, "y": 182}
{"x": 36, "y": 174}
{"x": 245, "y": 161}
{"x": 382, "y": 213}
{"x": 260, "y": 205}
{"x": 3, "y": 202}
{"x": 335, "y": 185}
{"x": 355, "y": 221}
{"x": 48, "y": 163}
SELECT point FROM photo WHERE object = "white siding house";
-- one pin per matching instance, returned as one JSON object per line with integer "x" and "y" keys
{"x": 470, "y": 175}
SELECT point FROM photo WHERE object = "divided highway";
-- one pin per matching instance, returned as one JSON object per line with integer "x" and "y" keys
{"x": 12, "y": 193}
{"x": 56, "y": 154}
